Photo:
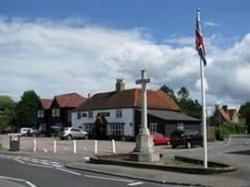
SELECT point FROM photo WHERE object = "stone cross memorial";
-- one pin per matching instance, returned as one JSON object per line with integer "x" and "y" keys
{"x": 144, "y": 144}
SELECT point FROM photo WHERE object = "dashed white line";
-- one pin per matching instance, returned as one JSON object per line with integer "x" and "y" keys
{"x": 39, "y": 165}
{"x": 20, "y": 161}
{"x": 135, "y": 183}
{"x": 69, "y": 171}
{"x": 108, "y": 178}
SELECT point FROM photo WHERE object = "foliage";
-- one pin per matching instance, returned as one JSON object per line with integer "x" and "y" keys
{"x": 226, "y": 129}
{"x": 183, "y": 93}
{"x": 168, "y": 91}
{"x": 7, "y": 107}
{"x": 191, "y": 108}
{"x": 26, "y": 109}
{"x": 245, "y": 109}
{"x": 187, "y": 105}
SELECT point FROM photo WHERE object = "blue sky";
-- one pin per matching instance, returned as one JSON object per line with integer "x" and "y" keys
{"x": 60, "y": 46}
{"x": 161, "y": 18}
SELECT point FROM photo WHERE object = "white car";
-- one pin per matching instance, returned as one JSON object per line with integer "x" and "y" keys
{"x": 26, "y": 131}
{"x": 70, "y": 133}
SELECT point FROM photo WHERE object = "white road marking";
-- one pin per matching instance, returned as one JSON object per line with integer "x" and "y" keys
{"x": 69, "y": 171}
{"x": 22, "y": 162}
{"x": 6, "y": 156}
{"x": 135, "y": 183}
{"x": 45, "y": 150}
{"x": 39, "y": 165}
{"x": 228, "y": 142}
{"x": 55, "y": 163}
{"x": 18, "y": 180}
{"x": 87, "y": 158}
{"x": 34, "y": 160}
{"x": 108, "y": 178}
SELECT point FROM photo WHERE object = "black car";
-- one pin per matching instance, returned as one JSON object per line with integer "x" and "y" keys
{"x": 188, "y": 138}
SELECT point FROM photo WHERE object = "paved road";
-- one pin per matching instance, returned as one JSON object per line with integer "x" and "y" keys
{"x": 32, "y": 172}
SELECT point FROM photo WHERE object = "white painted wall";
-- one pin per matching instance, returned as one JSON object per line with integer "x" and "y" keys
{"x": 127, "y": 118}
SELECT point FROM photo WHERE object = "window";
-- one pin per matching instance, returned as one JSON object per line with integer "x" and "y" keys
{"x": 84, "y": 115}
{"x": 90, "y": 114}
{"x": 153, "y": 127}
{"x": 180, "y": 126}
{"x": 78, "y": 115}
{"x": 89, "y": 128}
{"x": 40, "y": 113}
{"x": 117, "y": 129}
{"x": 118, "y": 113}
{"x": 55, "y": 112}
{"x": 75, "y": 130}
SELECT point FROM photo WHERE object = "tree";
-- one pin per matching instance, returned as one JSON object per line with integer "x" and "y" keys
{"x": 26, "y": 109}
{"x": 245, "y": 109}
{"x": 183, "y": 93}
{"x": 168, "y": 91}
{"x": 191, "y": 107}
{"x": 187, "y": 105}
{"x": 7, "y": 107}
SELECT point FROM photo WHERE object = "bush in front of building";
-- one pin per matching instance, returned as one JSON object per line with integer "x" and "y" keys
{"x": 227, "y": 129}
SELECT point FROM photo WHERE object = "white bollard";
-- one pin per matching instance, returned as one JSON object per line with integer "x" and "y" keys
{"x": 34, "y": 145}
{"x": 96, "y": 146}
{"x": 74, "y": 146}
{"x": 113, "y": 146}
{"x": 54, "y": 147}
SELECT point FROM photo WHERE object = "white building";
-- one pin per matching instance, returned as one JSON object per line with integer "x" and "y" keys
{"x": 116, "y": 114}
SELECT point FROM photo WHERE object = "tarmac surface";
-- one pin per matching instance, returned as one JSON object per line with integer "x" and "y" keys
{"x": 235, "y": 150}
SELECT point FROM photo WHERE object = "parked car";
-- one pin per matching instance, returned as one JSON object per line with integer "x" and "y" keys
{"x": 70, "y": 133}
{"x": 188, "y": 138}
{"x": 160, "y": 139}
{"x": 26, "y": 131}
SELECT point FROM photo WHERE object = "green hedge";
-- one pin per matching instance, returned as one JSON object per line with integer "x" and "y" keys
{"x": 226, "y": 129}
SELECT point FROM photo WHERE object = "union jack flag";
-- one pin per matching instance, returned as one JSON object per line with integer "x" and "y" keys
{"x": 200, "y": 47}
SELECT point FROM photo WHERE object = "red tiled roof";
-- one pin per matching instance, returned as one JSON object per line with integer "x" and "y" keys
{"x": 46, "y": 103}
{"x": 127, "y": 99}
{"x": 69, "y": 100}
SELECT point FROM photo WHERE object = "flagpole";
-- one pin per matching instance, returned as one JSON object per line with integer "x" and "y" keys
{"x": 203, "y": 113}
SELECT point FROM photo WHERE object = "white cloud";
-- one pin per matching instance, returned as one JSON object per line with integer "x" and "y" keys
{"x": 66, "y": 56}
{"x": 211, "y": 24}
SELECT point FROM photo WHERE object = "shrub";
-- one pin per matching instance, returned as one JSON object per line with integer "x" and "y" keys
{"x": 230, "y": 128}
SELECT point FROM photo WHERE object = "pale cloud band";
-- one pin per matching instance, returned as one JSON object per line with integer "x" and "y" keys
{"x": 59, "y": 57}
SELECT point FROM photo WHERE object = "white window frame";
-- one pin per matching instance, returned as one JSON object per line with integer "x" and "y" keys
{"x": 56, "y": 112}
{"x": 90, "y": 114}
{"x": 153, "y": 127}
{"x": 119, "y": 113}
{"x": 40, "y": 113}
{"x": 117, "y": 130}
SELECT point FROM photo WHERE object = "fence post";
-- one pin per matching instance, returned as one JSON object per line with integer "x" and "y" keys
{"x": 54, "y": 147}
{"x": 34, "y": 145}
{"x": 74, "y": 146}
{"x": 96, "y": 147}
{"x": 113, "y": 146}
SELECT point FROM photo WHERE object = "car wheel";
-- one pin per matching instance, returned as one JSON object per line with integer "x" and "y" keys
{"x": 189, "y": 145}
{"x": 69, "y": 137}
{"x": 173, "y": 146}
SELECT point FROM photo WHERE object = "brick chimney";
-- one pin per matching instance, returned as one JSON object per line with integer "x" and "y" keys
{"x": 120, "y": 85}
